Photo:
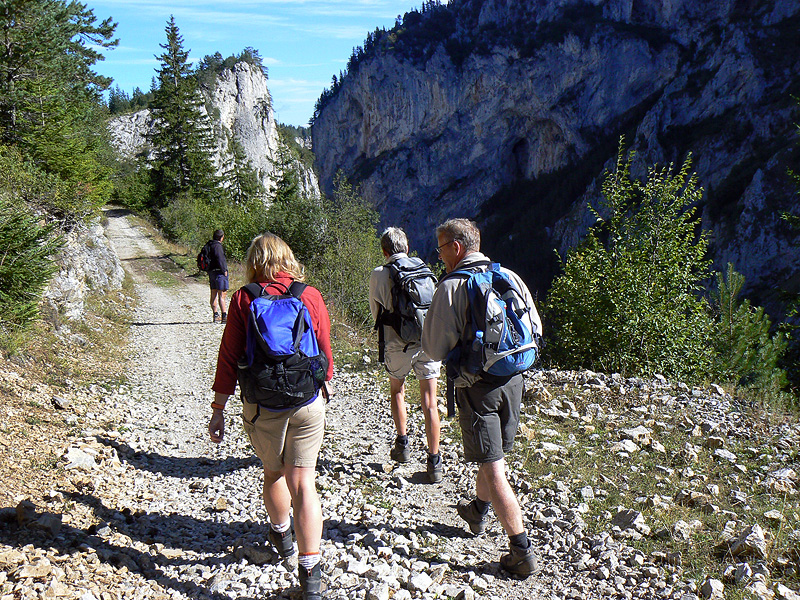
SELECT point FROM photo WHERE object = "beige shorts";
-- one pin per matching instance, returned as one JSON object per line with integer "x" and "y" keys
{"x": 290, "y": 437}
{"x": 399, "y": 363}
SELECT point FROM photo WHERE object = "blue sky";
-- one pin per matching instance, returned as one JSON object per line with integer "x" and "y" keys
{"x": 303, "y": 42}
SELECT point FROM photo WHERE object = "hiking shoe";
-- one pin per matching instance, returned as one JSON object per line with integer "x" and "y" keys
{"x": 476, "y": 521}
{"x": 521, "y": 563}
{"x": 434, "y": 466}
{"x": 311, "y": 582}
{"x": 282, "y": 542}
{"x": 216, "y": 317}
{"x": 224, "y": 318}
{"x": 400, "y": 453}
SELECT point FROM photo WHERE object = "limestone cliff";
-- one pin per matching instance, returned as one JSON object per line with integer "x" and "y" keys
{"x": 241, "y": 108}
{"x": 509, "y": 112}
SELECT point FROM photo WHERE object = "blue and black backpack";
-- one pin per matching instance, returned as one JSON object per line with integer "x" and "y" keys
{"x": 282, "y": 367}
{"x": 502, "y": 339}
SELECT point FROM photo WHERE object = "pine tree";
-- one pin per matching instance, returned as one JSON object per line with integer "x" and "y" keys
{"x": 50, "y": 100}
{"x": 293, "y": 216}
{"x": 240, "y": 179}
{"x": 181, "y": 139}
{"x": 745, "y": 350}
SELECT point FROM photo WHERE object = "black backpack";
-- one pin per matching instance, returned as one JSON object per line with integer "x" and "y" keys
{"x": 413, "y": 286}
{"x": 283, "y": 366}
{"x": 204, "y": 258}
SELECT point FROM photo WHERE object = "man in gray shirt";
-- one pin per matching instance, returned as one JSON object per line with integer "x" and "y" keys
{"x": 488, "y": 406}
{"x": 402, "y": 356}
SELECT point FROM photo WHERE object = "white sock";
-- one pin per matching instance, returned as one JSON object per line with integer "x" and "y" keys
{"x": 309, "y": 560}
{"x": 282, "y": 527}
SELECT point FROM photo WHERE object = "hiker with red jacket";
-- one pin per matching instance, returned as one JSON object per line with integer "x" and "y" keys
{"x": 287, "y": 441}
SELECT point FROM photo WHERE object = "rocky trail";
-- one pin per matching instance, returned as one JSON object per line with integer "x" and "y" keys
{"x": 158, "y": 511}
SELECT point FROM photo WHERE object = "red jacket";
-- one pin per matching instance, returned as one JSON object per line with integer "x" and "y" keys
{"x": 234, "y": 339}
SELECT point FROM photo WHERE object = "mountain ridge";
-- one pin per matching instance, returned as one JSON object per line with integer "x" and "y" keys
{"x": 429, "y": 133}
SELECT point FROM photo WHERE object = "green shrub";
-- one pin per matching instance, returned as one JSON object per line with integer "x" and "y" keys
{"x": 627, "y": 300}
{"x": 350, "y": 251}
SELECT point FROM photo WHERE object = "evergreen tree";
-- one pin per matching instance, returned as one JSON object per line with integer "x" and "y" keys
{"x": 118, "y": 101}
{"x": 745, "y": 351}
{"x": 293, "y": 216}
{"x": 240, "y": 179}
{"x": 50, "y": 100}
{"x": 181, "y": 138}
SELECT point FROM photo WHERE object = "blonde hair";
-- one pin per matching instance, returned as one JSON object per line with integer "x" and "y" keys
{"x": 269, "y": 255}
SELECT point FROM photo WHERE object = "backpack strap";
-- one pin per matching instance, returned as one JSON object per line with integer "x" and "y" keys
{"x": 464, "y": 273}
{"x": 296, "y": 289}
{"x": 467, "y": 271}
{"x": 256, "y": 290}
{"x": 381, "y": 336}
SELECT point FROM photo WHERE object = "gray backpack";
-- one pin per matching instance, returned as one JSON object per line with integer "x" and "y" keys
{"x": 413, "y": 286}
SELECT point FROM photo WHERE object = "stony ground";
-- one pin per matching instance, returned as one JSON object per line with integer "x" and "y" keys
{"x": 140, "y": 504}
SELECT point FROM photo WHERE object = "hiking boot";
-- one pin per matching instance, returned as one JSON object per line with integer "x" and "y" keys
{"x": 224, "y": 318}
{"x": 216, "y": 317}
{"x": 476, "y": 521}
{"x": 400, "y": 453}
{"x": 434, "y": 466}
{"x": 311, "y": 582}
{"x": 282, "y": 542}
{"x": 519, "y": 562}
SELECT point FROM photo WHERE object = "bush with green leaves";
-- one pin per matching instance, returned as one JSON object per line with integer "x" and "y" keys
{"x": 628, "y": 298}
{"x": 350, "y": 250}
{"x": 631, "y": 299}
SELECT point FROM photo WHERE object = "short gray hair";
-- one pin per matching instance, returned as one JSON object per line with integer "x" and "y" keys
{"x": 463, "y": 231}
{"x": 394, "y": 240}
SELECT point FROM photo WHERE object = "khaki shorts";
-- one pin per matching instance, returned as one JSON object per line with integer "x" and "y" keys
{"x": 289, "y": 437}
{"x": 399, "y": 363}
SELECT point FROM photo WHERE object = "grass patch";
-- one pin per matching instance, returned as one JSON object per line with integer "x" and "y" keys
{"x": 163, "y": 279}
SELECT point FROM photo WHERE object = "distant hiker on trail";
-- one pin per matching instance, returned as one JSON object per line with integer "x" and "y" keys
{"x": 488, "y": 405}
{"x": 283, "y": 413}
{"x": 217, "y": 276}
{"x": 399, "y": 291}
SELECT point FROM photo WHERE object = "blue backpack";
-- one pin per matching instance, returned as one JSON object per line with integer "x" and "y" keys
{"x": 282, "y": 366}
{"x": 502, "y": 339}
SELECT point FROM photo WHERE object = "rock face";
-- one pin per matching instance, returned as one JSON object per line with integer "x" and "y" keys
{"x": 517, "y": 129}
{"x": 242, "y": 110}
{"x": 87, "y": 264}
{"x": 242, "y": 100}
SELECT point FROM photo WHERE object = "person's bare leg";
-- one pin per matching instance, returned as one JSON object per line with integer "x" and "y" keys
{"x": 301, "y": 483}
{"x": 430, "y": 410}
{"x": 223, "y": 298}
{"x": 277, "y": 498}
{"x": 397, "y": 397}
{"x": 492, "y": 485}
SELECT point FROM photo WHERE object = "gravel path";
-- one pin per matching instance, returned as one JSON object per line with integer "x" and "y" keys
{"x": 153, "y": 509}
{"x": 387, "y": 531}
